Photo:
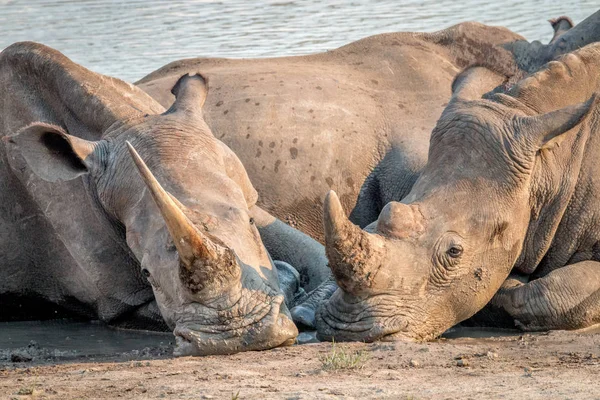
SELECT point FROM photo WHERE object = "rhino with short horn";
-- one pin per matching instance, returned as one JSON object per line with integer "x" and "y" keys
{"x": 505, "y": 212}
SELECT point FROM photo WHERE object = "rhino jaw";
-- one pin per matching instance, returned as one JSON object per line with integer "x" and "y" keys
{"x": 272, "y": 330}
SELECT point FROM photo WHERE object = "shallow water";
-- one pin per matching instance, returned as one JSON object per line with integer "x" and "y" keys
{"x": 66, "y": 339}
{"x": 479, "y": 333}
{"x": 95, "y": 338}
{"x": 78, "y": 338}
{"x": 128, "y": 39}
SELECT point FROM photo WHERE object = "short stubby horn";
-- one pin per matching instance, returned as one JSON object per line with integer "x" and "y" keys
{"x": 200, "y": 256}
{"x": 354, "y": 255}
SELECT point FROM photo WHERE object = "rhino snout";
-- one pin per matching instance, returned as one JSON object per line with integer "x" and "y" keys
{"x": 274, "y": 330}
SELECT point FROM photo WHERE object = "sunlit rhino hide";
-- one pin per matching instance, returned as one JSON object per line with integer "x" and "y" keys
{"x": 503, "y": 216}
{"x": 356, "y": 119}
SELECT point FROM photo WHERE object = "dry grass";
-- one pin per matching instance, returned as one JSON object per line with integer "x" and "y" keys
{"x": 340, "y": 358}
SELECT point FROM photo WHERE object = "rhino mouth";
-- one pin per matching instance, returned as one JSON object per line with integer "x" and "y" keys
{"x": 273, "y": 329}
{"x": 347, "y": 318}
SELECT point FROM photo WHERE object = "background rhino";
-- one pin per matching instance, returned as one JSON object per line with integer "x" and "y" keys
{"x": 354, "y": 119}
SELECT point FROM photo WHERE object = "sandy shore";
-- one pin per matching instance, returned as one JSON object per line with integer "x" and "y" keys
{"x": 559, "y": 365}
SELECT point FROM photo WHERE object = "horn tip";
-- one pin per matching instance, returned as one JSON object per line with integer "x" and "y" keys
{"x": 133, "y": 151}
{"x": 333, "y": 211}
{"x": 331, "y": 199}
{"x": 330, "y": 196}
{"x": 137, "y": 160}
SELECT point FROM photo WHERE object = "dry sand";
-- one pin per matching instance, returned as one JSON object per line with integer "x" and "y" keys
{"x": 559, "y": 365}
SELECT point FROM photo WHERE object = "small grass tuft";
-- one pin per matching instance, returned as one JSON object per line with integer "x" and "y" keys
{"x": 25, "y": 391}
{"x": 340, "y": 358}
{"x": 235, "y": 396}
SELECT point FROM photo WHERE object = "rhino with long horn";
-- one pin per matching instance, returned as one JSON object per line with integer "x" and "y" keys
{"x": 205, "y": 261}
{"x": 120, "y": 210}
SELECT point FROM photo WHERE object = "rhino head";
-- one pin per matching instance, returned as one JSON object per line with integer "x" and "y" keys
{"x": 180, "y": 196}
{"x": 438, "y": 256}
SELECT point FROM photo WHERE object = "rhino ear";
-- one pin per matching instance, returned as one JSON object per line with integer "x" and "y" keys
{"x": 543, "y": 128}
{"x": 190, "y": 93}
{"x": 560, "y": 25}
{"x": 474, "y": 82}
{"x": 53, "y": 154}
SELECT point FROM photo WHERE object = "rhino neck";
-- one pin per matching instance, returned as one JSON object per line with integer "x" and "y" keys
{"x": 559, "y": 181}
{"x": 561, "y": 165}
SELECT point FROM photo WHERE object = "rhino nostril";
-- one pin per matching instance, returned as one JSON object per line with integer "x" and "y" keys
{"x": 304, "y": 317}
{"x": 183, "y": 346}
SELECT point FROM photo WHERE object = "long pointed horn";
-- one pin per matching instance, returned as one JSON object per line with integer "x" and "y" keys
{"x": 354, "y": 255}
{"x": 190, "y": 242}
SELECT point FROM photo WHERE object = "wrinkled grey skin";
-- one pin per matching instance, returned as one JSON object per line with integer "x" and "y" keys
{"x": 356, "y": 119}
{"x": 505, "y": 212}
{"x": 84, "y": 228}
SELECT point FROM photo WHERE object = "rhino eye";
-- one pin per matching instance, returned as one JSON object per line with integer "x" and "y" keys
{"x": 145, "y": 272}
{"x": 455, "y": 251}
{"x": 251, "y": 221}
{"x": 171, "y": 245}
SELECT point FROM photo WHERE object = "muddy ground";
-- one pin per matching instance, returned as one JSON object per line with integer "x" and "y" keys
{"x": 558, "y": 365}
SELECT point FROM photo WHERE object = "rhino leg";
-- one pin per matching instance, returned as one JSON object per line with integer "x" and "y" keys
{"x": 303, "y": 306}
{"x": 310, "y": 269}
{"x": 304, "y": 312}
{"x": 566, "y": 298}
{"x": 289, "y": 283}
{"x": 294, "y": 247}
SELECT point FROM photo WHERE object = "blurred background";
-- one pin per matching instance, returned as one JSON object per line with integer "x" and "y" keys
{"x": 129, "y": 39}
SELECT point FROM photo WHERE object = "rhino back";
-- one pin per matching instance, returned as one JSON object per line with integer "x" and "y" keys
{"x": 304, "y": 125}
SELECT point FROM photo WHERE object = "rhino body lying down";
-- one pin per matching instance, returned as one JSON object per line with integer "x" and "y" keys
{"x": 506, "y": 211}
{"x": 84, "y": 228}
{"x": 303, "y": 125}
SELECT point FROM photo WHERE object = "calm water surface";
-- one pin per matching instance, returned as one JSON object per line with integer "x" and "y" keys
{"x": 78, "y": 338}
{"x": 129, "y": 39}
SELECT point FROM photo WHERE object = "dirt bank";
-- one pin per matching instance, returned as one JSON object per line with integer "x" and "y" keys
{"x": 557, "y": 365}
